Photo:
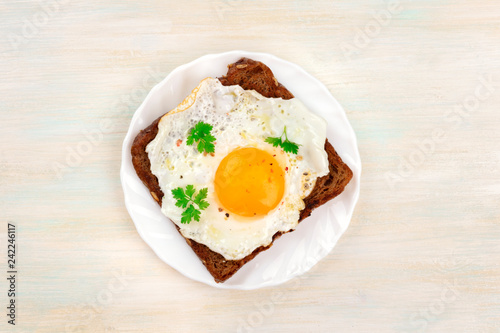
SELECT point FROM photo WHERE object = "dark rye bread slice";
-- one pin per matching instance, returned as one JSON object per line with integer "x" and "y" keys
{"x": 249, "y": 74}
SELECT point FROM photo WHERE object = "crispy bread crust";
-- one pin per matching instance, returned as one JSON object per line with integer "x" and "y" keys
{"x": 249, "y": 74}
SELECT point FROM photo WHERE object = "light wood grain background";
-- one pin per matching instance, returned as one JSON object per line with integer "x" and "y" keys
{"x": 420, "y": 82}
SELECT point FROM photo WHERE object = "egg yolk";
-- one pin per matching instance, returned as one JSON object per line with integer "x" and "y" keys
{"x": 249, "y": 182}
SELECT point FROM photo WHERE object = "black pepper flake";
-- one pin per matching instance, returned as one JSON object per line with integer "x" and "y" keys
{"x": 227, "y": 214}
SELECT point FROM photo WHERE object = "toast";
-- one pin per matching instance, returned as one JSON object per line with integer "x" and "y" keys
{"x": 250, "y": 75}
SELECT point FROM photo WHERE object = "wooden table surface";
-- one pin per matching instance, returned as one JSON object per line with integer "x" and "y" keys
{"x": 419, "y": 81}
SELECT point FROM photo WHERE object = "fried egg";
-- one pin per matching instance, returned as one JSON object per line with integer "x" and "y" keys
{"x": 254, "y": 189}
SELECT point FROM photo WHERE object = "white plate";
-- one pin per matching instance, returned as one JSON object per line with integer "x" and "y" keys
{"x": 292, "y": 254}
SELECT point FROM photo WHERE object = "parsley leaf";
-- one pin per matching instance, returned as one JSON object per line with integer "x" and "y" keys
{"x": 200, "y": 133}
{"x": 287, "y": 145}
{"x": 190, "y": 190}
{"x": 274, "y": 141}
{"x": 290, "y": 147}
{"x": 199, "y": 199}
{"x": 180, "y": 196}
{"x": 189, "y": 214}
{"x": 185, "y": 199}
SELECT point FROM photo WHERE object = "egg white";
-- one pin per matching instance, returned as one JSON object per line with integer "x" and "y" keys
{"x": 240, "y": 118}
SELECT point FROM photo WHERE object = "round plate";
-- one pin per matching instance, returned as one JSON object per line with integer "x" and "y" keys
{"x": 293, "y": 253}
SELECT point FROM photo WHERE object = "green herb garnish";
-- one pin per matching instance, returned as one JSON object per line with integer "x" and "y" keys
{"x": 287, "y": 145}
{"x": 200, "y": 133}
{"x": 193, "y": 206}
